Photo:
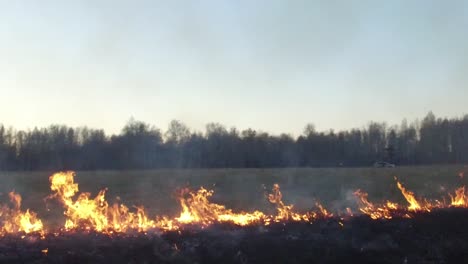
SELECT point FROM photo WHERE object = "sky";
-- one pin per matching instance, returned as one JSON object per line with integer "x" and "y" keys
{"x": 269, "y": 65}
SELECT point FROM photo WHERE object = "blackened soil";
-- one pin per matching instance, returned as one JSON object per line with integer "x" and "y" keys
{"x": 436, "y": 237}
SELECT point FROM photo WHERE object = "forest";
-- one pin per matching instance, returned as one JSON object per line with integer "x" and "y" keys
{"x": 140, "y": 145}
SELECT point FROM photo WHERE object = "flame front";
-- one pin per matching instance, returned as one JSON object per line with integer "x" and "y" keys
{"x": 84, "y": 212}
{"x": 89, "y": 213}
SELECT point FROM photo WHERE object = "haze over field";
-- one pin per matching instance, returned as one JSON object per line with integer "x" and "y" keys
{"x": 270, "y": 65}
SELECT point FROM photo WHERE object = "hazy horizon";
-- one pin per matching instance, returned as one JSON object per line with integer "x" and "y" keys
{"x": 269, "y": 65}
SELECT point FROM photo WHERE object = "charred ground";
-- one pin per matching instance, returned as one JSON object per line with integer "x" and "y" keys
{"x": 436, "y": 237}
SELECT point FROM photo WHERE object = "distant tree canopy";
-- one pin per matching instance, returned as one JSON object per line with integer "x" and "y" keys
{"x": 141, "y": 146}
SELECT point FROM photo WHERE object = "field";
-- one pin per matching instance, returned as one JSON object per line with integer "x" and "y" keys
{"x": 240, "y": 189}
{"x": 426, "y": 237}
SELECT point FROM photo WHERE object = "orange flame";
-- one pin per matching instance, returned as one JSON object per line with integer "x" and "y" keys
{"x": 409, "y": 196}
{"x": 196, "y": 208}
{"x": 14, "y": 220}
{"x": 94, "y": 213}
{"x": 374, "y": 212}
{"x": 460, "y": 199}
{"x": 286, "y": 212}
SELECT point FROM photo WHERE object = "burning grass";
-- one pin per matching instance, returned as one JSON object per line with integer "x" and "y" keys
{"x": 84, "y": 212}
{"x": 97, "y": 231}
{"x": 427, "y": 237}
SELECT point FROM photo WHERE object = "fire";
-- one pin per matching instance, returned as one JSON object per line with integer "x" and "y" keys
{"x": 460, "y": 199}
{"x": 390, "y": 209}
{"x": 14, "y": 220}
{"x": 84, "y": 212}
{"x": 375, "y": 212}
{"x": 196, "y": 208}
{"x": 409, "y": 196}
{"x": 286, "y": 212}
{"x": 95, "y": 213}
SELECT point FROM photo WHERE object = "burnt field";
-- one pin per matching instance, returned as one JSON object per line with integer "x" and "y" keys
{"x": 366, "y": 215}
{"x": 436, "y": 237}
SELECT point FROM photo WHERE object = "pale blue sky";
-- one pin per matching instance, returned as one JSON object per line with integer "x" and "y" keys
{"x": 269, "y": 65}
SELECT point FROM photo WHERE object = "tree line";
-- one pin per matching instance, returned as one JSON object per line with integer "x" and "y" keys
{"x": 142, "y": 146}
